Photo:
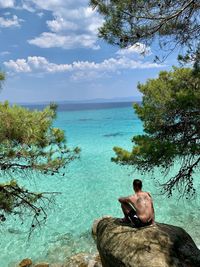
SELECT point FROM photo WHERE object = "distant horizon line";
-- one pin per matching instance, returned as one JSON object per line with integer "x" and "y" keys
{"x": 84, "y": 101}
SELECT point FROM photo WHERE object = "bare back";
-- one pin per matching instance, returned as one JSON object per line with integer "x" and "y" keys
{"x": 143, "y": 205}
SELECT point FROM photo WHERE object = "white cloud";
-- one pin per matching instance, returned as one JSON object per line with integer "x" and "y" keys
{"x": 48, "y": 39}
{"x": 34, "y": 64}
{"x": 60, "y": 25}
{"x": 20, "y": 65}
{"x": 137, "y": 48}
{"x": 55, "y": 5}
{"x": 10, "y": 22}
{"x": 41, "y": 63}
{"x": 7, "y": 3}
{"x": 40, "y": 14}
{"x": 25, "y": 6}
{"x": 77, "y": 69}
{"x": 7, "y": 14}
{"x": 47, "y": 5}
{"x": 74, "y": 24}
{"x": 4, "y": 53}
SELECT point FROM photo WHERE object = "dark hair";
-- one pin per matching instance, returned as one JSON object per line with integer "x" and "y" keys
{"x": 137, "y": 184}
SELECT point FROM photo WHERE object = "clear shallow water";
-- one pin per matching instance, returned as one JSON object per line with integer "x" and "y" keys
{"x": 90, "y": 190}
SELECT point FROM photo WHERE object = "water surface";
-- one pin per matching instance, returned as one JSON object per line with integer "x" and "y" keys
{"x": 90, "y": 189}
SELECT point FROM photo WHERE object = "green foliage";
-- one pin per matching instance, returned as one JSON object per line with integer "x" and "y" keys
{"x": 28, "y": 141}
{"x": 170, "y": 112}
{"x": 2, "y": 78}
{"x": 170, "y": 109}
{"x": 29, "y": 144}
{"x": 172, "y": 23}
{"x": 196, "y": 60}
{"x": 189, "y": 58}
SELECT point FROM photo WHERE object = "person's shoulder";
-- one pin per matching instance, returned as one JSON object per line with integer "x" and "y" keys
{"x": 132, "y": 197}
{"x": 147, "y": 193}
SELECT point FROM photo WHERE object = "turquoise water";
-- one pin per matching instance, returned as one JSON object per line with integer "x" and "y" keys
{"x": 90, "y": 190}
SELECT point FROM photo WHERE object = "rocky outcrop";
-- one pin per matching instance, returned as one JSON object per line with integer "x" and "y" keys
{"x": 84, "y": 260}
{"x": 160, "y": 245}
{"x": 95, "y": 224}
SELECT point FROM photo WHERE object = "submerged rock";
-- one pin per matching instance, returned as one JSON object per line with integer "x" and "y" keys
{"x": 56, "y": 265}
{"x": 84, "y": 260}
{"x": 159, "y": 245}
{"x": 43, "y": 264}
{"x": 25, "y": 263}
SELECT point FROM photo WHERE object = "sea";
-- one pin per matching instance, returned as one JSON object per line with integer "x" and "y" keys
{"x": 90, "y": 188}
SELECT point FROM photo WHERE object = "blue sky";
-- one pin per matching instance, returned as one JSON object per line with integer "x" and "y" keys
{"x": 50, "y": 52}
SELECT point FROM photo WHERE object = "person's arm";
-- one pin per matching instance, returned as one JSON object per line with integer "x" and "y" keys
{"x": 124, "y": 199}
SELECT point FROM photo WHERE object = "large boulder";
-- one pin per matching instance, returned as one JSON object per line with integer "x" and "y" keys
{"x": 159, "y": 245}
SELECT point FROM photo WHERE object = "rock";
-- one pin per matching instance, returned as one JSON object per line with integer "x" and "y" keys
{"x": 84, "y": 260}
{"x": 97, "y": 261}
{"x": 56, "y": 265}
{"x": 159, "y": 245}
{"x": 94, "y": 226}
{"x": 43, "y": 264}
{"x": 25, "y": 263}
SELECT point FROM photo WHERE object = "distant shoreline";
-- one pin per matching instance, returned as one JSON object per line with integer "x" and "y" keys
{"x": 83, "y": 106}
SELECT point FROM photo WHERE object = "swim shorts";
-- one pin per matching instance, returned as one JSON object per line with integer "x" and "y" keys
{"x": 136, "y": 221}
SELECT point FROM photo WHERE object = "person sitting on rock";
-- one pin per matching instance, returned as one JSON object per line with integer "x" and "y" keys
{"x": 138, "y": 209}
